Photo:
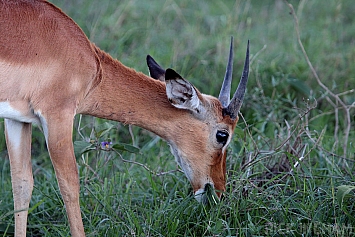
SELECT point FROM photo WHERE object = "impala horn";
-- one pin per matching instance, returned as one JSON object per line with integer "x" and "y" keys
{"x": 232, "y": 107}
{"x": 224, "y": 94}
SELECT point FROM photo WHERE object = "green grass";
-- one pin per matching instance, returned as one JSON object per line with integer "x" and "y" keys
{"x": 286, "y": 165}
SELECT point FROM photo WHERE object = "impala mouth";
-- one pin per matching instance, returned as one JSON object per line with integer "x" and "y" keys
{"x": 207, "y": 195}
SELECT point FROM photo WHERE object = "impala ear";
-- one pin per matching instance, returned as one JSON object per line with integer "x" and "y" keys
{"x": 181, "y": 93}
{"x": 155, "y": 70}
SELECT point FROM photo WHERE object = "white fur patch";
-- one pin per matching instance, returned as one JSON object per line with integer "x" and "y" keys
{"x": 199, "y": 195}
{"x": 179, "y": 92}
{"x": 182, "y": 163}
{"x": 44, "y": 125}
{"x": 14, "y": 132}
{"x": 14, "y": 118}
{"x": 8, "y": 112}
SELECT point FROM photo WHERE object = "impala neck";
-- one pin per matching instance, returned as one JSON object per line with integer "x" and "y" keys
{"x": 131, "y": 97}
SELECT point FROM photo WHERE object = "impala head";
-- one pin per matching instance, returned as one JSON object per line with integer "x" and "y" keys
{"x": 199, "y": 144}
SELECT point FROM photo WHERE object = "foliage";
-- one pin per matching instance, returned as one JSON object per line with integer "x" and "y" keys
{"x": 291, "y": 161}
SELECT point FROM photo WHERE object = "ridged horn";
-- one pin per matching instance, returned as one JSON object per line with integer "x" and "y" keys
{"x": 224, "y": 94}
{"x": 237, "y": 100}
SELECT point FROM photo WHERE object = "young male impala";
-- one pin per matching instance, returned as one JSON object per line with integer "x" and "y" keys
{"x": 50, "y": 71}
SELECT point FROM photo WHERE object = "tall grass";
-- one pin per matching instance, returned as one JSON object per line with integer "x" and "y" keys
{"x": 288, "y": 171}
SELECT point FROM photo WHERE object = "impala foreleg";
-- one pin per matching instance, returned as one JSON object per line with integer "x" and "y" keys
{"x": 18, "y": 139}
{"x": 60, "y": 146}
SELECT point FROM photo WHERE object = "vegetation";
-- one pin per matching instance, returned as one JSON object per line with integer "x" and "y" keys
{"x": 291, "y": 161}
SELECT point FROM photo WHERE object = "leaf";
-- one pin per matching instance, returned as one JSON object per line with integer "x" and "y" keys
{"x": 35, "y": 206}
{"x": 344, "y": 193}
{"x": 299, "y": 85}
{"x": 126, "y": 147}
{"x": 81, "y": 147}
{"x": 239, "y": 132}
{"x": 102, "y": 132}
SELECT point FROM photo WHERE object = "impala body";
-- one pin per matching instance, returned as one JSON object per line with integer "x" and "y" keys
{"x": 50, "y": 71}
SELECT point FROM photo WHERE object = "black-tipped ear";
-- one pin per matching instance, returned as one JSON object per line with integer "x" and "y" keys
{"x": 181, "y": 93}
{"x": 170, "y": 74}
{"x": 155, "y": 70}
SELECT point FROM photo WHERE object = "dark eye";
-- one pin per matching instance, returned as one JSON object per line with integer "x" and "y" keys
{"x": 222, "y": 137}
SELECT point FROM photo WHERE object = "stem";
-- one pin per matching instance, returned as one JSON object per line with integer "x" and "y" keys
{"x": 335, "y": 96}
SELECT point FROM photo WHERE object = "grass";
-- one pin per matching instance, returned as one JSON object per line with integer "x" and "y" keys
{"x": 288, "y": 171}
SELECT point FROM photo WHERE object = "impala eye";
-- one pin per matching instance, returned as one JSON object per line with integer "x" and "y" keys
{"x": 222, "y": 137}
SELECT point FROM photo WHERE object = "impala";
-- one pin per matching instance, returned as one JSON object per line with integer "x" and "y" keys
{"x": 50, "y": 71}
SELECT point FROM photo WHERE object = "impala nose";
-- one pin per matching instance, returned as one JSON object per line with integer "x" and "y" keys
{"x": 207, "y": 195}
{"x": 208, "y": 188}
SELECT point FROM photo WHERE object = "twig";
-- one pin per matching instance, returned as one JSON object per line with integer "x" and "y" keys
{"x": 146, "y": 167}
{"x": 132, "y": 135}
{"x": 247, "y": 128}
{"x": 336, "y": 128}
{"x": 346, "y": 92}
{"x": 300, "y": 158}
{"x": 93, "y": 171}
{"x": 315, "y": 143}
{"x": 335, "y": 96}
{"x": 257, "y": 54}
{"x": 78, "y": 128}
{"x": 249, "y": 170}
